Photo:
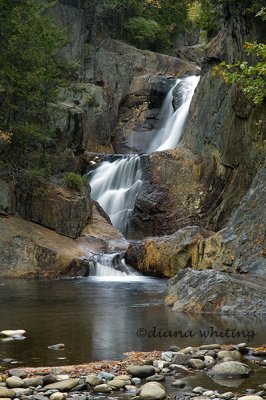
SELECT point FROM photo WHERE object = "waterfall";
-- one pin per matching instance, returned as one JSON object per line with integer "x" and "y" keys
{"x": 115, "y": 185}
{"x": 110, "y": 265}
{"x": 172, "y": 123}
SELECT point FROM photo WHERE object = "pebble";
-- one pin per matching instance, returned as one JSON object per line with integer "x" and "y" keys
{"x": 160, "y": 364}
{"x": 208, "y": 393}
{"x": 141, "y": 371}
{"x": 20, "y": 373}
{"x": 196, "y": 363}
{"x": 106, "y": 375}
{"x": 152, "y": 390}
{"x": 234, "y": 355}
{"x": 4, "y": 392}
{"x": 174, "y": 348}
{"x": 14, "y": 382}
{"x": 93, "y": 380}
{"x": 167, "y": 356}
{"x": 210, "y": 346}
{"x": 263, "y": 386}
{"x": 136, "y": 381}
{"x": 58, "y": 396}
{"x": 178, "y": 383}
{"x": 155, "y": 378}
{"x": 63, "y": 386}
{"x": 33, "y": 382}
{"x": 227, "y": 395}
{"x": 198, "y": 390}
{"x": 104, "y": 388}
{"x": 117, "y": 383}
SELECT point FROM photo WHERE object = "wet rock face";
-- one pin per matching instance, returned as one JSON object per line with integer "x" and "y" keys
{"x": 139, "y": 113}
{"x": 165, "y": 255}
{"x": 172, "y": 193}
{"x": 212, "y": 291}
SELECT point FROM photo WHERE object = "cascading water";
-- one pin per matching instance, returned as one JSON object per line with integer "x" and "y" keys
{"x": 115, "y": 185}
{"x": 172, "y": 123}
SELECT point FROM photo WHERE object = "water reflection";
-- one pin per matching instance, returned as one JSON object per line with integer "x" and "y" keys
{"x": 99, "y": 319}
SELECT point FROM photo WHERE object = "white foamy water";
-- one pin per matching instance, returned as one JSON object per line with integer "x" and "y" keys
{"x": 173, "y": 122}
{"x": 115, "y": 186}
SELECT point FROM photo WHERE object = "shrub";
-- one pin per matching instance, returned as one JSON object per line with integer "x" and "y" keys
{"x": 75, "y": 181}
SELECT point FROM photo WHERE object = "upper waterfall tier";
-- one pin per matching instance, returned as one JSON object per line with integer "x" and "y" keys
{"x": 172, "y": 122}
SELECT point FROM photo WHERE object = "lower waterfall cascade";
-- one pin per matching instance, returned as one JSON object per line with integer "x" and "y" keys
{"x": 115, "y": 185}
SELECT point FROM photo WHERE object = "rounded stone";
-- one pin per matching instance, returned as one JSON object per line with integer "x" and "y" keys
{"x": 141, "y": 371}
{"x": 234, "y": 355}
{"x": 250, "y": 398}
{"x": 58, "y": 396}
{"x": 20, "y": 373}
{"x": 14, "y": 382}
{"x": 33, "y": 382}
{"x": 228, "y": 369}
{"x": 104, "y": 388}
{"x": 198, "y": 390}
{"x": 93, "y": 380}
{"x": 117, "y": 383}
{"x": 106, "y": 375}
{"x": 196, "y": 363}
{"x": 152, "y": 391}
{"x": 4, "y": 392}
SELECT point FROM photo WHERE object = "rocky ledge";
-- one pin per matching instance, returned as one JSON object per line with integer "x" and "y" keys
{"x": 144, "y": 376}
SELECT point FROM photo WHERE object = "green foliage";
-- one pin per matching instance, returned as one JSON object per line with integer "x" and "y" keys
{"x": 251, "y": 78}
{"x": 30, "y": 72}
{"x": 143, "y": 32}
{"x": 75, "y": 181}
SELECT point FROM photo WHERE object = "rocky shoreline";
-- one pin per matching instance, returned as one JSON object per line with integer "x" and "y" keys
{"x": 148, "y": 376}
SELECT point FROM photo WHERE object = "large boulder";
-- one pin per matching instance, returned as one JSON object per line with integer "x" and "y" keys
{"x": 230, "y": 369}
{"x": 167, "y": 254}
{"x": 212, "y": 291}
{"x": 31, "y": 250}
{"x": 65, "y": 210}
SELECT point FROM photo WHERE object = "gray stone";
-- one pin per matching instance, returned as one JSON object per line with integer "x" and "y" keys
{"x": 152, "y": 391}
{"x": 131, "y": 389}
{"x": 14, "y": 382}
{"x": 4, "y": 392}
{"x": 63, "y": 386}
{"x": 208, "y": 393}
{"x": 58, "y": 396}
{"x": 117, "y": 383}
{"x": 234, "y": 369}
{"x": 106, "y": 375}
{"x": 160, "y": 364}
{"x": 227, "y": 395}
{"x": 263, "y": 386}
{"x": 167, "y": 356}
{"x": 155, "y": 378}
{"x": 49, "y": 378}
{"x": 33, "y": 382}
{"x": 213, "y": 346}
{"x": 123, "y": 377}
{"x": 104, "y": 388}
{"x": 233, "y": 354}
{"x": 178, "y": 383}
{"x": 141, "y": 371}
{"x": 209, "y": 361}
{"x": 18, "y": 372}
{"x": 181, "y": 358}
{"x": 198, "y": 390}
{"x": 250, "y": 398}
{"x": 93, "y": 380}
{"x": 196, "y": 363}
{"x": 23, "y": 391}
{"x": 136, "y": 381}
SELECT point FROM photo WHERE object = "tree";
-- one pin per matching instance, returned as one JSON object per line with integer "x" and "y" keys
{"x": 143, "y": 32}
{"x": 30, "y": 72}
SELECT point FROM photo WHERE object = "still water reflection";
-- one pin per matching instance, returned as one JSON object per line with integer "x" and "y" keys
{"x": 98, "y": 319}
